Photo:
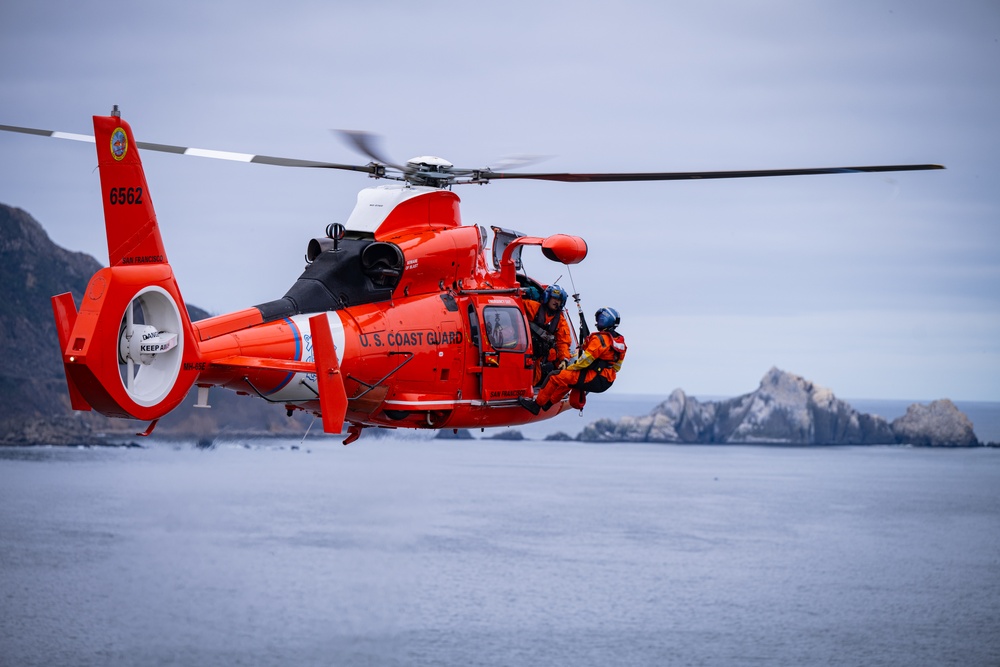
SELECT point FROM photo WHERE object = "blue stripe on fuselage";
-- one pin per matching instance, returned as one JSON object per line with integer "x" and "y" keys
{"x": 298, "y": 355}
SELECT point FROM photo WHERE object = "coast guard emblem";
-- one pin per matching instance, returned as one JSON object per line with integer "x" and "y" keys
{"x": 119, "y": 144}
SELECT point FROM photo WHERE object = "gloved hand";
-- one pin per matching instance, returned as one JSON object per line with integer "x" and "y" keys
{"x": 561, "y": 366}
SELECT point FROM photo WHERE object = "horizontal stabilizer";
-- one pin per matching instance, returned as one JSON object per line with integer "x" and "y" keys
{"x": 266, "y": 363}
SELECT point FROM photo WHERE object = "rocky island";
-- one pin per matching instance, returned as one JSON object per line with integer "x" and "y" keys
{"x": 789, "y": 410}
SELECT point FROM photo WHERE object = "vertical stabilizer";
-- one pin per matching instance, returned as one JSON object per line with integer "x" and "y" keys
{"x": 133, "y": 235}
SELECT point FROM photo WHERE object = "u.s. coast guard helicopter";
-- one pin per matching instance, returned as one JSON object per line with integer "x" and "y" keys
{"x": 399, "y": 320}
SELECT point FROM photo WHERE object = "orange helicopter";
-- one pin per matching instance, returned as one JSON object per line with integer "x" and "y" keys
{"x": 397, "y": 321}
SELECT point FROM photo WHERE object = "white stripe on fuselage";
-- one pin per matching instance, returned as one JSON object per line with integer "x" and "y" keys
{"x": 302, "y": 387}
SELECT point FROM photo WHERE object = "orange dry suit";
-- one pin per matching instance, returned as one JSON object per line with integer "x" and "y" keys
{"x": 550, "y": 338}
{"x": 594, "y": 371}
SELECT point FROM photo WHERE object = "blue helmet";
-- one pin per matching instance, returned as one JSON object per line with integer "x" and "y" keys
{"x": 554, "y": 291}
{"x": 607, "y": 318}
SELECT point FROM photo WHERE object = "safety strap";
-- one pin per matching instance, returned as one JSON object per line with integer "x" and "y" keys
{"x": 544, "y": 332}
{"x": 551, "y": 326}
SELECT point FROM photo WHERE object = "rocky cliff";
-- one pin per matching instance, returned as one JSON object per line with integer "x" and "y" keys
{"x": 34, "y": 403}
{"x": 785, "y": 409}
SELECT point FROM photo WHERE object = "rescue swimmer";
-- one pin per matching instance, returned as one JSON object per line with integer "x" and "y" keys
{"x": 594, "y": 371}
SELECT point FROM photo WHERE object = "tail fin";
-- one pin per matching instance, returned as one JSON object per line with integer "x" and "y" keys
{"x": 130, "y": 350}
{"x": 133, "y": 235}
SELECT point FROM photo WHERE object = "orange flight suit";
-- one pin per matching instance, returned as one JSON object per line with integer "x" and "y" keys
{"x": 594, "y": 371}
{"x": 560, "y": 348}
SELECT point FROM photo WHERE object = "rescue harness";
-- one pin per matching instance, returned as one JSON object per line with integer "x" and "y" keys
{"x": 543, "y": 333}
{"x": 599, "y": 383}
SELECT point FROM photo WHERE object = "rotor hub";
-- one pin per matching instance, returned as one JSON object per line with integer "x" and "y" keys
{"x": 429, "y": 163}
{"x": 145, "y": 343}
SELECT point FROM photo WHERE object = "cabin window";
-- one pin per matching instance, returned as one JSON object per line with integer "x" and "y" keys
{"x": 474, "y": 327}
{"x": 505, "y": 328}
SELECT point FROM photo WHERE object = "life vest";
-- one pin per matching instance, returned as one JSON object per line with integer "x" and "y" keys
{"x": 543, "y": 334}
{"x": 601, "y": 374}
{"x": 613, "y": 352}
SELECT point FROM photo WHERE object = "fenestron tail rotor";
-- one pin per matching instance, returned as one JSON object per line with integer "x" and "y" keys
{"x": 150, "y": 346}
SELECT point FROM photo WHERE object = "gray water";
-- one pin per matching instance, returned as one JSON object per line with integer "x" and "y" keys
{"x": 396, "y": 552}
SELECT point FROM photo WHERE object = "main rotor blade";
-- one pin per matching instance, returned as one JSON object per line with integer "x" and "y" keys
{"x": 367, "y": 144}
{"x": 698, "y": 175}
{"x": 248, "y": 157}
{"x": 201, "y": 152}
{"x": 48, "y": 133}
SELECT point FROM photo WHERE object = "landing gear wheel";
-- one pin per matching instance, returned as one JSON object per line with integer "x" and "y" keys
{"x": 150, "y": 346}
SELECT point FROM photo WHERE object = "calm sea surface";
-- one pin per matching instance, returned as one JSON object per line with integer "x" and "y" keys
{"x": 430, "y": 552}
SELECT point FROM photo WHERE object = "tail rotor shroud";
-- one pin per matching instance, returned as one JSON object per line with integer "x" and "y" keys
{"x": 151, "y": 346}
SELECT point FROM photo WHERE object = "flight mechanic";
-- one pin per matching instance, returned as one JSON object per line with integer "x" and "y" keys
{"x": 550, "y": 335}
{"x": 595, "y": 371}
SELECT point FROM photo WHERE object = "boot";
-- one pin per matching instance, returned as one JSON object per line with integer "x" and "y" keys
{"x": 529, "y": 405}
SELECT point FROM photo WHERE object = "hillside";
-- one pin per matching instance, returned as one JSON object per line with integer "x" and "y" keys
{"x": 34, "y": 404}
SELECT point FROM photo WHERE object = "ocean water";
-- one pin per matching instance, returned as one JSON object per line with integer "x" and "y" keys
{"x": 426, "y": 552}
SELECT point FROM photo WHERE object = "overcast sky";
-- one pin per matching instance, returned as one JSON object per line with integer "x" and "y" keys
{"x": 873, "y": 285}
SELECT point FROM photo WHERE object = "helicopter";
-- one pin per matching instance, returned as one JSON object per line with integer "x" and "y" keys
{"x": 399, "y": 320}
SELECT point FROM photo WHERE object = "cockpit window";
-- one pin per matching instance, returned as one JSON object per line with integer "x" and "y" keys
{"x": 505, "y": 328}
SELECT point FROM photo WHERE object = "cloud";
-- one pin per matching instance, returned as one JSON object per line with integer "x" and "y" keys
{"x": 640, "y": 86}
